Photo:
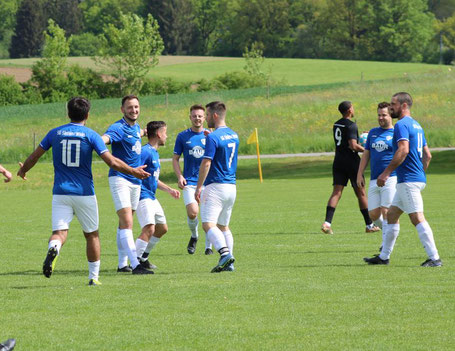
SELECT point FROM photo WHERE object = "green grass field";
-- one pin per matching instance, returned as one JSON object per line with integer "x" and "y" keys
{"x": 294, "y": 288}
{"x": 291, "y": 71}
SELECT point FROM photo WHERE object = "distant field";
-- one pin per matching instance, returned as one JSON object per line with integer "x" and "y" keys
{"x": 289, "y": 71}
{"x": 294, "y": 288}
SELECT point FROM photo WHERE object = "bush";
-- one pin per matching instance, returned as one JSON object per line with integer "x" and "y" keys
{"x": 237, "y": 80}
{"x": 10, "y": 91}
{"x": 210, "y": 85}
{"x": 162, "y": 86}
{"x": 85, "y": 82}
{"x": 85, "y": 44}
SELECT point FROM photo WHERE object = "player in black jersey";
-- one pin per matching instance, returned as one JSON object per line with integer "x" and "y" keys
{"x": 345, "y": 167}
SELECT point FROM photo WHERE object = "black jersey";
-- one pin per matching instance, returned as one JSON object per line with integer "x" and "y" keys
{"x": 344, "y": 130}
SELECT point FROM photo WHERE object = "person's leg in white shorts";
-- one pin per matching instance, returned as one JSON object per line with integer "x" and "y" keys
{"x": 126, "y": 198}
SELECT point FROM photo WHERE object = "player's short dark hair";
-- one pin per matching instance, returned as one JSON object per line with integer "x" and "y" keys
{"x": 78, "y": 108}
{"x": 217, "y": 107}
{"x": 153, "y": 126}
{"x": 383, "y": 104}
{"x": 403, "y": 97}
{"x": 344, "y": 106}
{"x": 197, "y": 107}
{"x": 128, "y": 98}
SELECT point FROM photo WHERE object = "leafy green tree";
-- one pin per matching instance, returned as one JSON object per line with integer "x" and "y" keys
{"x": 48, "y": 73}
{"x": 66, "y": 13}
{"x": 207, "y": 14}
{"x": 8, "y": 11}
{"x": 131, "y": 50}
{"x": 28, "y": 35}
{"x": 442, "y": 9}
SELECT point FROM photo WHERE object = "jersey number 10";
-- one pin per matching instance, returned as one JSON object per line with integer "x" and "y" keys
{"x": 67, "y": 146}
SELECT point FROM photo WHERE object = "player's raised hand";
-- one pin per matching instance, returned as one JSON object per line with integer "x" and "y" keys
{"x": 20, "y": 172}
{"x": 140, "y": 173}
{"x": 181, "y": 182}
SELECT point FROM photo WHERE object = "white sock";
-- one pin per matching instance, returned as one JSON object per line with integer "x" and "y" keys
{"x": 94, "y": 270}
{"x": 208, "y": 244}
{"x": 389, "y": 241}
{"x": 384, "y": 229}
{"x": 141, "y": 245}
{"x": 427, "y": 240}
{"x": 229, "y": 240}
{"x": 378, "y": 222}
{"x": 151, "y": 244}
{"x": 216, "y": 237}
{"x": 122, "y": 253}
{"x": 327, "y": 224}
{"x": 127, "y": 241}
{"x": 193, "y": 224}
{"x": 55, "y": 243}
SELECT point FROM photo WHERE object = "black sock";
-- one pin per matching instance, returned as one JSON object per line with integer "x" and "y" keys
{"x": 366, "y": 216}
{"x": 329, "y": 212}
{"x": 144, "y": 256}
{"x": 223, "y": 251}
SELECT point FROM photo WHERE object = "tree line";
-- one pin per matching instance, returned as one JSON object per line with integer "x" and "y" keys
{"x": 385, "y": 30}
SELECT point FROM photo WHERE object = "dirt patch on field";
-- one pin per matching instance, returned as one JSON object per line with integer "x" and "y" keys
{"x": 20, "y": 74}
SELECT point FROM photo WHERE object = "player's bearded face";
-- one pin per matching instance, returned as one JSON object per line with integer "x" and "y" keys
{"x": 210, "y": 121}
{"x": 395, "y": 109}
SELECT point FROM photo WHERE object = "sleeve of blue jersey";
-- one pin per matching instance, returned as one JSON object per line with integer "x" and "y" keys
{"x": 401, "y": 132}
{"x": 114, "y": 132}
{"x": 46, "y": 143}
{"x": 178, "y": 149}
{"x": 210, "y": 147}
{"x": 145, "y": 156}
{"x": 368, "y": 142}
{"x": 97, "y": 143}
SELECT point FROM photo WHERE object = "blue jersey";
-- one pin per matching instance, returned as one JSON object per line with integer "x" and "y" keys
{"x": 379, "y": 143}
{"x": 222, "y": 147}
{"x": 126, "y": 145}
{"x": 411, "y": 170}
{"x": 72, "y": 147}
{"x": 151, "y": 158}
{"x": 192, "y": 145}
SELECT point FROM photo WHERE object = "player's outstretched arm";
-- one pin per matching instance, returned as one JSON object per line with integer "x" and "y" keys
{"x": 30, "y": 162}
{"x": 7, "y": 174}
{"x": 181, "y": 181}
{"x": 106, "y": 139}
{"x": 117, "y": 164}
{"x": 203, "y": 172}
{"x": 426, "y": 157}
{"x": 173, "y": 192}
{"x": 363, "y": 165}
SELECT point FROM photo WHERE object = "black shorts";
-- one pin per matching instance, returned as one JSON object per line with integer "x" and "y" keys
{"x": 344, "y": 171}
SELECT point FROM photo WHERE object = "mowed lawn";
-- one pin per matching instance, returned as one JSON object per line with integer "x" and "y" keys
{"x": 294, "y": 288}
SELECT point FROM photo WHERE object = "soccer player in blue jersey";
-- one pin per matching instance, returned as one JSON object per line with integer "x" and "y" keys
{"x": 73, "y": 193}
{"x": 6, "y": 174}
{"x": 125, "y": 138}
{"x": 218, "y": 174}
{"x": 410, "y": 160}
{"x": 150, "y": 214}
{"x": 191, "y": 142}
{"x": 379, "y": 152}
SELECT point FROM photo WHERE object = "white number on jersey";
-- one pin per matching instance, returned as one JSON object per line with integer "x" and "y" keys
{"x": 67, "y": 146}
{"x": 231, "y": 145}
{"x": 420, "y": 144}
{"x": 338, "y": 136}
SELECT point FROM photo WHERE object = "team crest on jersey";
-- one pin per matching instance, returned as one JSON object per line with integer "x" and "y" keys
{"x": 380, "y": 146}
{"x": 137, "y": 147}
{"x": 203, "y": 141}
{"x": 197, "y": 152}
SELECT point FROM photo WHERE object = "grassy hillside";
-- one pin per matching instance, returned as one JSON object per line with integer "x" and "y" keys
{"x": 294, "y": 119}
{"x": 291, "y": 71}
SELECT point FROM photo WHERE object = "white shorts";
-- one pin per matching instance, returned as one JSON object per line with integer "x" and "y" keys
{"x": 124, "y": 193}
{"x": 408, "y": 197}
{"x": 64, "y": 207}
{"x": 188, "y": 194}
{"x": 381, "y": 196}
{"x": 217, "y": 201}
{"x": 150, "y": 212}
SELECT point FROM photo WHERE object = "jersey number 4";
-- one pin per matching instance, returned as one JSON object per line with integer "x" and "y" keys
{"x": 67, "y": 147}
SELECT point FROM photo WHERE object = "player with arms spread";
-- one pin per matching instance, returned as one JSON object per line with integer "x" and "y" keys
{"x": 379, "y": 152}
{"x": 150, "y": 214}
{"x": 218, "y": 174}
{"x": 73, "y": 193}
{"x": 410, "y": 160}
{"x": 345, "y": 167}
{"x": 191, "y": 142}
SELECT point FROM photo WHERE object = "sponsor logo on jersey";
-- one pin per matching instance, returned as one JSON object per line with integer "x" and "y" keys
{"x": 380, "y": 146}
{"x": 416, "y": 126}
{"x": 196, "y": 152}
